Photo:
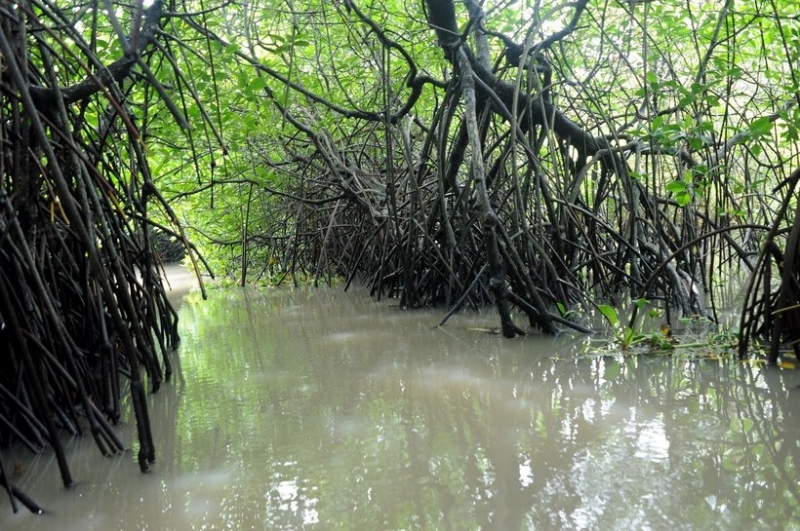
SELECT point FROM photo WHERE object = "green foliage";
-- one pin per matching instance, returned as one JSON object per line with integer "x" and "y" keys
{"x": 642, "y": 335}
{"x": 627, "y": 336}
{"x": 698, "y": 92}
{"x": 698, "y": 97}
{"x": 610, "y": 313}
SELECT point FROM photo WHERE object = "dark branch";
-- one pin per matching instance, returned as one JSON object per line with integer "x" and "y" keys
{"x": 115, "y": 72}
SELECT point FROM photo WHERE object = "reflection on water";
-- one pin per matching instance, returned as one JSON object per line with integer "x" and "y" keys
{"x": 322, "y": 410}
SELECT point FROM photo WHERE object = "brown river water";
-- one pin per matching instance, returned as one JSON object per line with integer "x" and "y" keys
{"x": 324, "y": 410}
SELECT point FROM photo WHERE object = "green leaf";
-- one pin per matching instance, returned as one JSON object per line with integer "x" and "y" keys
{"x": 696, "y": 143}
{"x": 628, "y": 336}
{"x": 610, "y": 313}
{"x": 676, "y": 187}
{"x": 256, "y": 84}
{"x": 761, "y": 126}
{"x": 697, "y": 88}
{"x": 686, "y": 101}
{"x": 683, "y": 198}
{"x": 791, "y": 133}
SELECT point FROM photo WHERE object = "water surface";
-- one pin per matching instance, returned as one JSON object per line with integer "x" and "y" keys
{"x": 324, "y": 410}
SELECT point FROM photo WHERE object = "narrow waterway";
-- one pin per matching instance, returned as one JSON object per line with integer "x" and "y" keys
{"x": 323, "y": 410}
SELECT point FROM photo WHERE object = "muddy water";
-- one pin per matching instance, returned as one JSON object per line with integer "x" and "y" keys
{"x": 321, "y": 410}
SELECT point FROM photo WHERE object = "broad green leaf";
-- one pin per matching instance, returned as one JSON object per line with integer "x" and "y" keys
{"x": 610, "y": 313}
{"x": 761, "y": 126}
{"x": 256, "y": 84}
{"x": 686, "y": 101}
{"x": 683, "y": 198}
{"x": 676, "y": 186}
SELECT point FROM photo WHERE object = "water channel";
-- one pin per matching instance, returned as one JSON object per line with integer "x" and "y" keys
{"x": 323, "y": 410}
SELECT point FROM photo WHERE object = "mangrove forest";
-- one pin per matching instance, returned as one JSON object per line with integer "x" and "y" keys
{"x": 546, "y": 160}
